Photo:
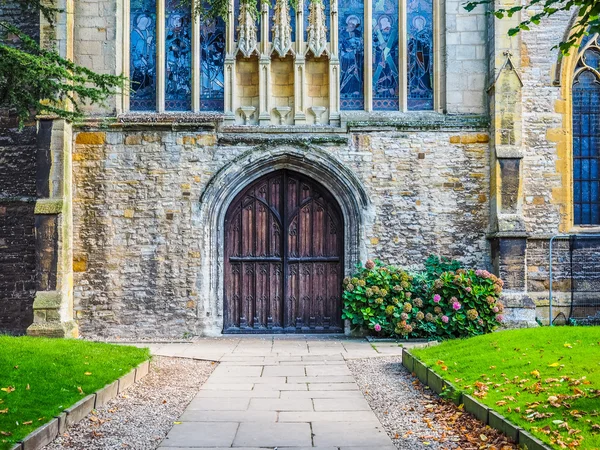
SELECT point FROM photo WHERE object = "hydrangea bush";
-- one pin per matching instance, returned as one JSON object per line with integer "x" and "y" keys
{"x": 453, "y": 303}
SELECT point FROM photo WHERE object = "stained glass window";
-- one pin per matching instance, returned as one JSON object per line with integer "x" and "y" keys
{"x": 143, "y": 55}
{"x": 586, "y": 135}
{"x": 212, "y": 58}
{"x": 419, "y": 47}
{"x": 178, "y": 57}
{"x": 352, "y": 54}
{"x": 385, "y": 55}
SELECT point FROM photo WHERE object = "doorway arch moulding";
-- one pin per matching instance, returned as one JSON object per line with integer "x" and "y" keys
{"x": 309, "y": 160}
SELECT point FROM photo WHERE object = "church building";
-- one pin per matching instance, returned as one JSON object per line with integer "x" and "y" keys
{"x": 259, "y": 157}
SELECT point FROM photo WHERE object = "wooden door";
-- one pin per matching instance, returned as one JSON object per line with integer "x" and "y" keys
{"x": 283, "y": 258}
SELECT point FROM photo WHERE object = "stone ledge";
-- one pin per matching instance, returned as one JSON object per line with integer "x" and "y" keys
{"x": 492, "y": 418}
{"x": 49, "y": 431}
{"x": 48, "y": 206}
{"x": 47, "y": 300}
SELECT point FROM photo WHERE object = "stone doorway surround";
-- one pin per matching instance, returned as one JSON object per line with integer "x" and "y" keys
{"x": 315, "y": 163}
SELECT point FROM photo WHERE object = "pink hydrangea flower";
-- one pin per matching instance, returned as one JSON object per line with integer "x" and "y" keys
{"x": 456, "y": 306}
{"x": 468, "y": 289}
{"x": 445, "y": 319}
{"x": 370, "y": 265}
{"x": 437, "y": 298}
{"x": 499, "y": 317}
{"x": 377, "y": 327}
{"x": 495, "y": 309}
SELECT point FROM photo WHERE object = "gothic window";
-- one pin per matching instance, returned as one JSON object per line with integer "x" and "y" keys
{"x": 352, "y": 52}
{"x": 176, "y": 55}
{"x": 586, "y": 134}
{"x": 397, "y": 83}
{"x": 143, "y": 55}
{"x": 420, "y": 54}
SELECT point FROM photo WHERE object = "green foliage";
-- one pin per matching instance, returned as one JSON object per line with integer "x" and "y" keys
{"x": 438, "y": 303}
{"x": 545, "y": 380}
{"x": 36, "y": 80}
{"x": 587, "y": 22}
{"x": 47, "y": 375}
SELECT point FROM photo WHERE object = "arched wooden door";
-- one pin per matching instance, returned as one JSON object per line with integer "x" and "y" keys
{"x": 283, "y": 258}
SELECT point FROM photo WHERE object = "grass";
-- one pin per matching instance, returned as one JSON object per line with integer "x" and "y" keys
{"x": 49, "y": 375}
{"x": 546, "y": 380}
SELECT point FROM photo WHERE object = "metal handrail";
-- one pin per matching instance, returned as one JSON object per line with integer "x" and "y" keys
{"x": 550, "y": 264}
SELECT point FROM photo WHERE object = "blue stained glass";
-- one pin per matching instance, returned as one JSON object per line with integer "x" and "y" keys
{"x": 143, "y": 55}
{"x": 327, "y": 17}
{"x": 419, "y": 47}
{"x": 212, "y": 58}
{"x": 586, "y": 135}
{"x": 385, "y": 55}
{"x": 178, "y": 57}
{"x": 352, "y": 54}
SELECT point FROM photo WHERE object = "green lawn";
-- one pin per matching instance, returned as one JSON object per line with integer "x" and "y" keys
{"x": 546, "y": 380}
{"x": 49, "y": 375}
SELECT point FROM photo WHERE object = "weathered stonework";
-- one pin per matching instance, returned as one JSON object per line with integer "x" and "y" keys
{"x": 129, "y": 240}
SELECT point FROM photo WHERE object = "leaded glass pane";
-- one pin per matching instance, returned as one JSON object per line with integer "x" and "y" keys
{"x": 142, "y": 56}
{"x": 586, "y": 135}
{"x": 178, "y": 56}
{"x": 352, "y": 54}
{"x": 327, "y": 17}
{"x": 419, "y": 47}
{"x": 385, "y": 55}
{"x": 212, "y": 58}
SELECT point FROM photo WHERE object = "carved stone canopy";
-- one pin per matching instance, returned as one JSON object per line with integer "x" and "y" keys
{"x": 317, "y": 28}
{"x": 247, "y": 40}
{"x": 282, "y": 29}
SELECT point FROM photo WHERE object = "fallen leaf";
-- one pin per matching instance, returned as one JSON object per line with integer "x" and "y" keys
{"x": 8, "y": 389}
{"x": 554, "y": 364}
{"x": 177, "y": 423}
{"x": 29, "y": 422}
{"x": 80, "y": 390}
{"x": 535, "y": 373}
{"x": 3, "y": 411}
{"x": 88, "y": 373}
{"x": 5, "y": 433}
{"x": 27, "y": 388}
{"x": 567, "y": 345}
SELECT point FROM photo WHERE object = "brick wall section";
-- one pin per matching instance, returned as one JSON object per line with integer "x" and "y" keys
{"x": 17, "y": 193}
{"x": 137, "y": 235}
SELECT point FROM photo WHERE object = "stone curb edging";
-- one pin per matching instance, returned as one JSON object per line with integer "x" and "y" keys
{"x": 483, "y": 413}
{"x": 49, "y": 431}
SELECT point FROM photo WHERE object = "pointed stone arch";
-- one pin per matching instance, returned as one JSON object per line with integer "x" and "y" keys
{"x": 236, "y": 175}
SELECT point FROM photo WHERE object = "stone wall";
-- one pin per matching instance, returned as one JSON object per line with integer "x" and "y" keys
{"x": 138, "y": 238}
{"x": 17, "y": 203}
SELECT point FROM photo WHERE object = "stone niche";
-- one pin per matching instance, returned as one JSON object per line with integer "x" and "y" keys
{"x": 284, "y": 76}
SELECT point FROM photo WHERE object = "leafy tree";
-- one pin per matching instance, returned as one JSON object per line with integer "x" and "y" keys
{"x": 34, "y": 80}
{"x": 587, "y": 22}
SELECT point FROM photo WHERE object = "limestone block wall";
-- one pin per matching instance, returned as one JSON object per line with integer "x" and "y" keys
{"x": 282, "y": 88}
{"x": 317, "y": 80}
{"x": 138, "y": 237}
{"x": 464, "y": 58}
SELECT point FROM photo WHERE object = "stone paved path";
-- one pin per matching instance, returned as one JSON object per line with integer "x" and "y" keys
{"x": 278, "y": 393}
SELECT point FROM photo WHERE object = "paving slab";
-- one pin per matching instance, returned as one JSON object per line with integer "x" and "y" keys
{"x": 328, "y": 416}
{"x": 321, "y": 394}
{"x": 274, "y": 435}
{"x": 219, "y": 404}
{"x": 268, "y": 404}
{"x": 237, "y": 394}
{"x": 285, "y": 371}
{"x": 201, "y": 434}
{"x": 195, "y": 415}
{"x": 340, "y": 404}
{"x": 281, "y": 387}
{"x": 351, "y": 434}
{"x": 322, "y": 379}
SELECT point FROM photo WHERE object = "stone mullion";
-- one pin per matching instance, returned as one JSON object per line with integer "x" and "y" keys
{"x": 368, "y": 33}
{"x": 160, "y": 55}
{"x": 334, "y": 67}
{"x": 402, "y": 57}
{"x": 195, "y": 60}
{"x": 123, "y": 30}
{"x": 229, "y": 67}
{"x": 439, "y": 43}
{"x": 264, "y": 66}
{"x": 300, "y": 68}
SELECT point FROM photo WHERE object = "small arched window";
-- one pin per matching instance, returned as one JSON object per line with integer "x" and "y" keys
{"x": 586, "y": 134}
